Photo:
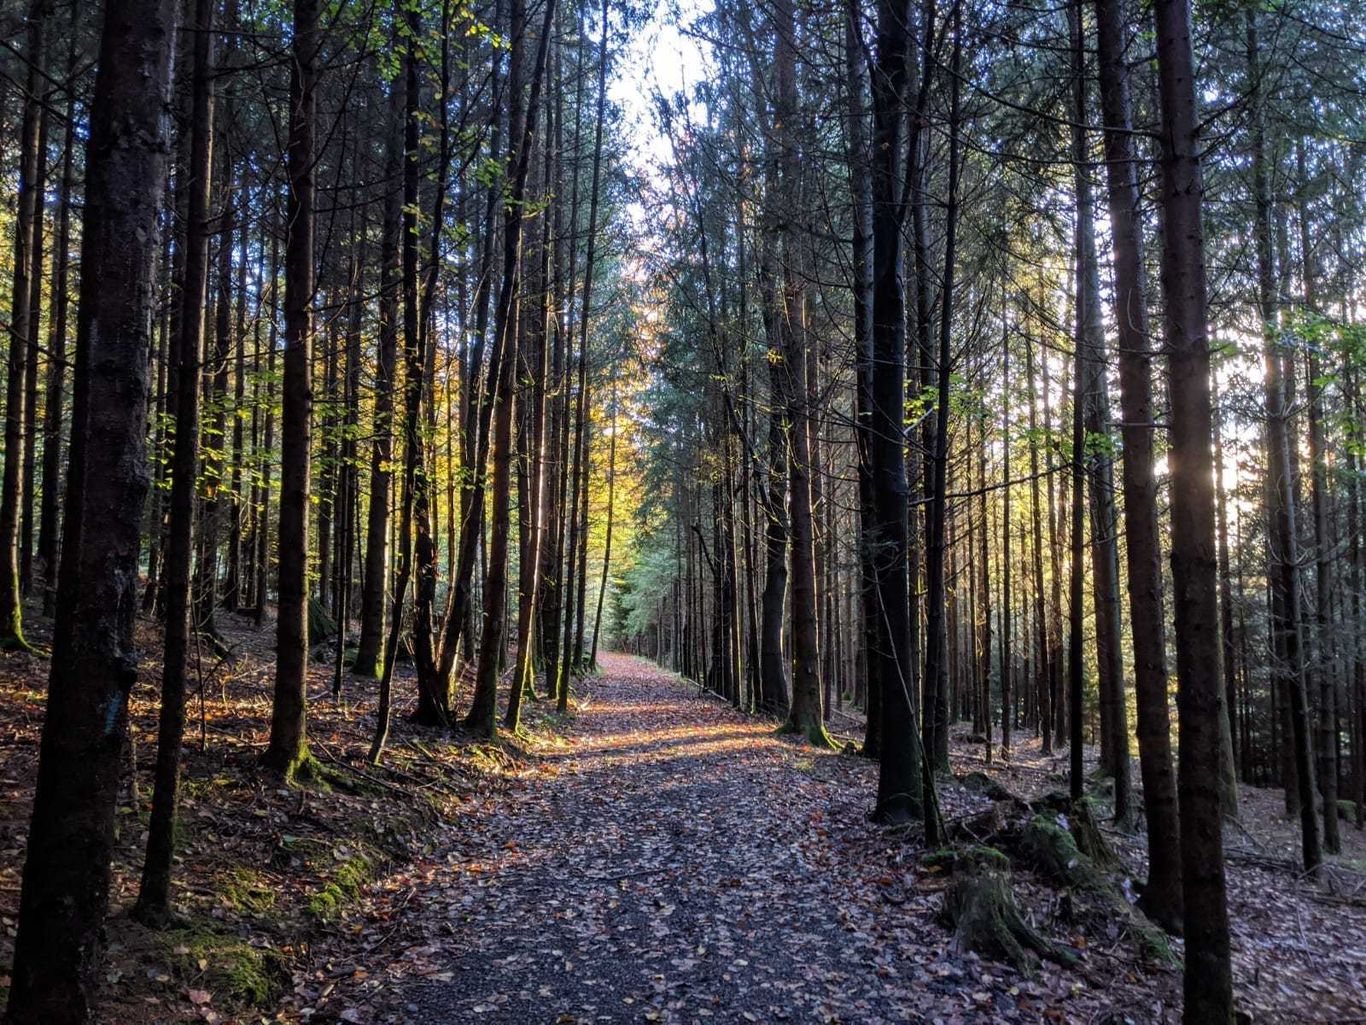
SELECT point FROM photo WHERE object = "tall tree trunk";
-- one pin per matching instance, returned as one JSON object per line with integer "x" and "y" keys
{"x": 1162, "y": 893}
{"x": 288, "y": 747}
{"x": 804, "y": 713}
{"x": 1227, "y": 646}
{"x": 1094, "y": 452}
{"x": 1208, "y": 978}
{"x": 1283, "y": 550}
{"x": 502, "y": 364}
{"x": 1046, "y": 654}
{"x": 48, "y": 525}
{"x": 369, "y": 645}
{"x": 899, "y": 779}
{"x": 433, "y": 687}
{"x": 35, "y": 281}
{"x": 861, "y": 192}
{"x": 71, "y": 837}
{"x": 936, "y": 714}
{"x": 154, "y": 893}
{"x": 1320, "y": 500}
{"x": 611, "y": 513}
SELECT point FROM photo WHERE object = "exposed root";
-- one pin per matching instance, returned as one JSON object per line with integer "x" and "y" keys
{"x": 980, "y": 906}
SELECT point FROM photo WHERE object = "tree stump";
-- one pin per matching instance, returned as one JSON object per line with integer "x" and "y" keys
{"x": 980, "y": 906}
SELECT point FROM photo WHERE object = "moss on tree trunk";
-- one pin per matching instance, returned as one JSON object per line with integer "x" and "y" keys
{"x": 980, "y": 906}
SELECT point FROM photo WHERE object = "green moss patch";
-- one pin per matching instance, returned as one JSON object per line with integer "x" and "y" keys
{"x": 226, "y": 966}
{"x": 248, "y": 891}
{"x": 343, "y": 888}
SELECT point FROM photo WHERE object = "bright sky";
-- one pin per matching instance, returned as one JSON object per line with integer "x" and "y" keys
{"x": 659, "y": 59}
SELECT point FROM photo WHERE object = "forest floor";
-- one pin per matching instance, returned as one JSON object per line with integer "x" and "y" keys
{"x": 653, "y": 857}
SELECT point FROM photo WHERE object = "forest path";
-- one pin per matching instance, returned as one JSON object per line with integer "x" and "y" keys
{"x": 679, "y": 862}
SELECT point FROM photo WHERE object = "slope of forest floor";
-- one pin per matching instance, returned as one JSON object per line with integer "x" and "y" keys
{"x": 268, "y": 878}
{"x": 654, "y": 857}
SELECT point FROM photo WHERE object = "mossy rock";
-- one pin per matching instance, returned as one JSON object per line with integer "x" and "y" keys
{"x": 321, "y": 626}
{"x": 980, "y": 907}
{"x": 1051, "y": 851}
{"x": 227, "y": 966}
{"x": 1054, "y": 800}
{"x": 980, "y": 783}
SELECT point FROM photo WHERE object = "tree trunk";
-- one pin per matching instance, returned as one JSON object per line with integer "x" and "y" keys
{"x": 899, "y": 778}
{"x": 861, "y": 192}
{"x": 1095, "y": 454}
{"x": 1283, "y": 549}
{"x": 1324, "y": 662}
{"x": 154, "y": 893}
{"x": 369, "y": 645}
{"x": 21, "y": 313}
{"x": 48, "y": 525}
{"x": 288, "y": 747}
{"x": 71, "y": 837}
{"x": 1208, "y": 978}
{"x": 936, "y": 714}
{"x": 1046, "y": 653}
{"x": 1162, "y": 893}
{"x": 502, "y": 364}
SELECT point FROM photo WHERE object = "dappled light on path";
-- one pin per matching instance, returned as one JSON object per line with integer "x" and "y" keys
{"x": 678, "y": 862}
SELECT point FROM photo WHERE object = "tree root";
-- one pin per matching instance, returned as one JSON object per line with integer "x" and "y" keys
{"x": 980, "y": 906}
{"x": 1053, "y": 852}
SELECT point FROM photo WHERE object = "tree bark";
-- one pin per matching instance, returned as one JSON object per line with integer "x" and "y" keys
{"x": 154, "y": 893}
{"x": 502, "y": 363}
{"x": 21, "y": 314}
{"x": 1283, "y": 547}
{"x": 1207, "y": 979}
{"x": 369, "y": 645}
{"x": 71, "y": 837}
{"x": 1162, "y": 893}
{"x": 899, "y": 797}
{"x": 288, "y": 747}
